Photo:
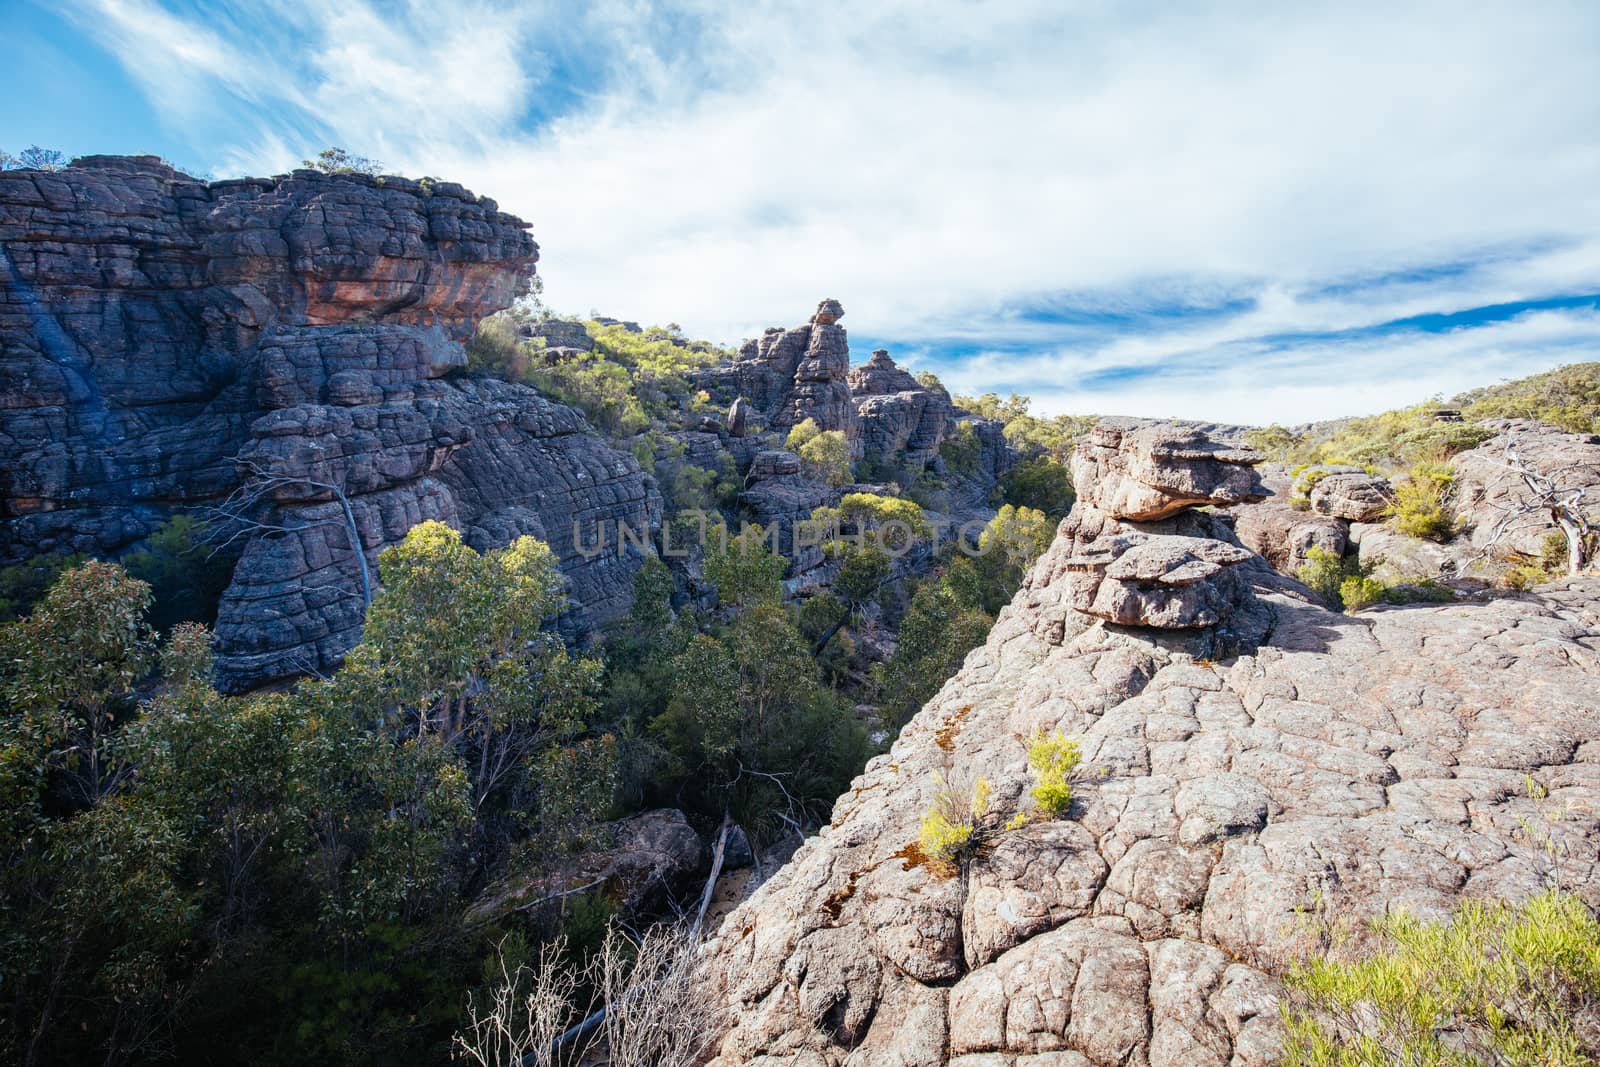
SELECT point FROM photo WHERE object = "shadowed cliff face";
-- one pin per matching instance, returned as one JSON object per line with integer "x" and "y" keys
{"x": 1251, "y": 763}
{"x": 165, "y": 341}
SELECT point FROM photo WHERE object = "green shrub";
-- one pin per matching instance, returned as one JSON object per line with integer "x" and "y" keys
{"x": 962, "y": 450}
{"x": 1039, "y": 483}
{"x": 949, "y": 827}
{"x": 801, "y": 434}
{"x": 1426, "y": 591}
{"x": 1568, "y": 397}
{"x": 826, "y": 457}
{"x": 1358, "y": 591}
{"x": 1052, "y": 759}
{"x": 1497, "y": 984}
{"x": 185, "y": 574}
{"x": 1341, "y": 582}
{"x": 23, "y": 584}
{"x": 1421, "y": 503}
{"x": 1277, "y": 443}
{"x": 495, "y": 351}
{"x": 1323, "y": 572}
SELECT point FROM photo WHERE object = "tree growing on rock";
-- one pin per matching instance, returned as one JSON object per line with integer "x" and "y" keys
{"x": 1553, "y": 494}
{"x": 824, "y": 454}
{"x": 337, "y": 160}
{"x": 33, "y": 158}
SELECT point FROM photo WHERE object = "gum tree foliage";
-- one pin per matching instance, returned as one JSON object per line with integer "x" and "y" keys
{"x": 1040, "y": 483}
{"x": 33, "y": 158}
{"x": 1008, "y": 545}
{"x": 280, "y": 877}
{"x": 1033, "y": 436}
{"x": 339, "y": 161}
{"x": 944, "y": 622}
{"x": 730, "y": 712}
{"x": 824, "y": 454}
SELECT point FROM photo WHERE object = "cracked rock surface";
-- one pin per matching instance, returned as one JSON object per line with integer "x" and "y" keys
{"x": 1342, "y": 765}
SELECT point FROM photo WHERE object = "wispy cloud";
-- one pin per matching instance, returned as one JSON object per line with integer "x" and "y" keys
{"x": 1101, "y": 204}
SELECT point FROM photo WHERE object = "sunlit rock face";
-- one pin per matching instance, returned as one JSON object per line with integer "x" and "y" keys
{"x": 1247, "y": 756}
{"x": 164, "y": 341}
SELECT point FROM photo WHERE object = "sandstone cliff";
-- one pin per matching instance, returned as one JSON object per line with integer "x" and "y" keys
{"x": 1252, "y": 762}
{"x": 287, "y": 345}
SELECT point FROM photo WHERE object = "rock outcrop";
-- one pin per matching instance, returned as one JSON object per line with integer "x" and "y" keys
{"x": 788, "y": 376}
{"x": 1146, "y": 472}
{"x": 1348, "y": 493}
{"x": 898, "y": 416}
{"x": 293, "y": 341}
{"x": 1248, "y": 756}
{"x": 1491, "y": 496}
{"x": 1285, "y": 536}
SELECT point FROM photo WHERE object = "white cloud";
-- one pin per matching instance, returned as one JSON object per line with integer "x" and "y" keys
{"x": 933, "y": 165}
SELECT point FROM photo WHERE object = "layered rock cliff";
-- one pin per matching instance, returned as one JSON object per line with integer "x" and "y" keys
{"x": 1252, "y": 764}
{"x": 285, "y": 348}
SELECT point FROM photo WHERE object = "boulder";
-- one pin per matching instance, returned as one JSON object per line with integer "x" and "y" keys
{"x": 1394, "y": 558}
{"x": 1284, "y": 536}
{"x": 773, "y": 464}
{"x": 561, "y": 334}
{"x": 1147, "y": 472}
{"x": 1349, "y": 493}
{"x": 739, "y": 417}
{"x": 653, "y": 851}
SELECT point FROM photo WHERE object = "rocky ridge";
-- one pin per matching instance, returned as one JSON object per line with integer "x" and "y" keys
{"x": 1250, "y": 759}
{"x": 1343, "y": 509}
{"x": 287, "y": 347}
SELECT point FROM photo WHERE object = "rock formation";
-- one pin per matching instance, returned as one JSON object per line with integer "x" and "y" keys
{"x": 892, "y": 422}
{"x": 167, "y": 342}
{"x": 1145, "y": 472}
{"x": 1249, "y": 757}
{"x": 789, "y": 376}
{"x": 1490, "y": 494}
{"x": 898, "y": 416}
{"x": 1349, "y": 493}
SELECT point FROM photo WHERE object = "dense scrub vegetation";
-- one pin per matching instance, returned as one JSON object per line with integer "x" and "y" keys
{"x": 1031, "y": 434}
{"x": 280, "y": 877}
{"x": 1568, "y": 397}
{"x": 1496, "y": 984}
{"x": 629, "y": 383}
{"x": 283, "y": 876}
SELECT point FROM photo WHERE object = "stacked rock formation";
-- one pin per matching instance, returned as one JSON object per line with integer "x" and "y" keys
{"x": 792, "y": 375}
{"x": 898, "y": 416}
{"x": 1230, "y": 782}
{"x": 168, "y": 342}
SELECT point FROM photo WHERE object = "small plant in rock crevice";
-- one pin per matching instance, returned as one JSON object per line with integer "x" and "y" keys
{"x": 1052, "y": 758}
{"x": 951, "y": 827}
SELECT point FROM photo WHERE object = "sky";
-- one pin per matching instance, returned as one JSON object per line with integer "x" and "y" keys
{"x": 1238, "y": 212}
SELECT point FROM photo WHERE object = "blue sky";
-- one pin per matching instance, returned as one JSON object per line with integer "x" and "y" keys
{"x": 1243, "y": 212}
